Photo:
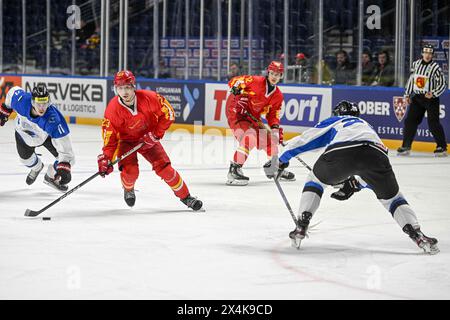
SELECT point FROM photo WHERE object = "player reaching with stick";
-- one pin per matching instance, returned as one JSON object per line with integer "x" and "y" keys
{"x": 353, "y": 148}
{"x": 133, "y": 117}
{"x": 254, "y": 96}
{"x": 39, "y": 123}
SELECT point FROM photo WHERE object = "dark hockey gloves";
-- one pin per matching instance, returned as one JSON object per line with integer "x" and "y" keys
{"x": 347, "y": 189}
{"x": 104, "y": 165}
{"x": 5, "y": 112}
{"x": 63, "y": 173}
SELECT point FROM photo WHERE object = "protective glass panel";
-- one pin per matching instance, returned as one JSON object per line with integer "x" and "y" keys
{"x": 432, "y": 27}
{"x": 379, "y": 47}
{"x": 303, "y": 41}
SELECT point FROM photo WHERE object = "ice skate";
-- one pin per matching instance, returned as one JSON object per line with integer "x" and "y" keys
{"x": 427, "y": 244}
{"x": 192, "y": 203}
{"x": 299, "y": 233}
{"x": 236, "y": 176}
{"x": 285, "y": 175}
{"x": 34, "y": 173}
{"x": 440, "y": 152}
{"x": 129, "y": 197}
{"x": 404, "y": 151}
{"x": 55, "y": 184}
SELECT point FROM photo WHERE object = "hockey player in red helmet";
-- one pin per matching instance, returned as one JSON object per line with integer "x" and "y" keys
{"x": 252, "y": 97}
{"x": 135, "y": 116}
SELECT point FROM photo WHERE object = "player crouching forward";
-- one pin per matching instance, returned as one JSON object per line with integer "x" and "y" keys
{"x": 352, "y": 149}
{"x": 135, "y": 116}
{"x": 39, "y": 123}
{"x": 255, "y": 96}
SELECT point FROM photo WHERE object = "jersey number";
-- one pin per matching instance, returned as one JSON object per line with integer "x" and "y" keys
{"x": 350, "y": 121}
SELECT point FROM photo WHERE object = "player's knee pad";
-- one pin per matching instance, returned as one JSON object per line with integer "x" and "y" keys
{"x": 392, "y": 204}
{"x": 400, "y": 210}
{"x": 129, "y": 171}
{"x": 166, "y": 172}
{"x": 32, "y": 162}
{"x": 313, "y": 184}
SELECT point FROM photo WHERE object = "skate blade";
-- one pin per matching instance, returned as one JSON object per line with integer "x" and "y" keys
{"x": 440, "y": 155}
{"x": 433, "y": 249}
{"x": 296, "y": 242}
{"x": 236, "y": 183}
{"x": 64, "y": 189}
{"x": 283, "y": 179}
{"x": 404, "y": 153}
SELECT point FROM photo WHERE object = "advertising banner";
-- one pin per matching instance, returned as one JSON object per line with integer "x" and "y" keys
{"x": 302, "y": 108}
{"x": 186, "y": 97}
{"x": 6, "y": 83}
{"x": 74, "y": 97}
{"x": 385, "y": 109}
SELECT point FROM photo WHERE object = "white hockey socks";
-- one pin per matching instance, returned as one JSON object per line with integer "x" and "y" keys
{"x": 33, "y": 162}
{"x": 311, "y": 195}
{"x": 400, "y": 210}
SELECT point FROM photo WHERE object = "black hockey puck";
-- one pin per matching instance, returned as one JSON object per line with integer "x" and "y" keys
{"x": 46, "y": 218}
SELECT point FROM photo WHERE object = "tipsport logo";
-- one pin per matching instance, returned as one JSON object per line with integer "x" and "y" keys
{"x": 191, "y": 99}
{"x": 301, "y": 109}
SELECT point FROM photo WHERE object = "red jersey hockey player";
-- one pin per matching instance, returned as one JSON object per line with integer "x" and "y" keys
{"x": 135, "y": 116}
{"x": 255, "y": 96}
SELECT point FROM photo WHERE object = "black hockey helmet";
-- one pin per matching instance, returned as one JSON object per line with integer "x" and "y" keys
{"x": 346, "y": 108}
{"x": 40, "y": 94}
{"x": 427, "y": 48}
{"x": 40, "y": 98}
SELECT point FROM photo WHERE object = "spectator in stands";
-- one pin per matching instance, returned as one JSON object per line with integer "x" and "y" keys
{"x": 345, "y": 70}
{"x": 164, "y": 71}
{"x": 384, "y": 71}
{"x": 85, "y": 32}
{"x": 234, "y": 71}
{"x": 303, "y": 71}
{"x": 327, "y": 75}
{"x": 367, "y": 68}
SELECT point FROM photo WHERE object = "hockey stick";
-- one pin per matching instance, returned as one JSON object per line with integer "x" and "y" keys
{"x": 283, "y": 195}
{"x": 31, "y": 213}
{"x": 261, "y": 125}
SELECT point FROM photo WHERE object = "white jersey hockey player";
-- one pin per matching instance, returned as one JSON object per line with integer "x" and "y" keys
{"x": 39, "y": 123}
{"x": 354, "y": 158}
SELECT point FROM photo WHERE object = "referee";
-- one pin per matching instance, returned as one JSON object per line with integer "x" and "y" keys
{"x": 425, "y": 84}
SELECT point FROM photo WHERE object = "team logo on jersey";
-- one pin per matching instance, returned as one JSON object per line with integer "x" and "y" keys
{"x": 420, "y": 82}
{"x": 400, "y": 106}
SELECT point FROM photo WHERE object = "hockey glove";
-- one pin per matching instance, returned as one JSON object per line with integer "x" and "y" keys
{"x": 104, "y": 165}
{"x": 5, "y": 112}
{"x": 349, "y": 187}
{"x": 63, "y": 173}
{"x": 271, "y": 167}
{"x": 149, "y": 139}
{"x": 237, "y": 88}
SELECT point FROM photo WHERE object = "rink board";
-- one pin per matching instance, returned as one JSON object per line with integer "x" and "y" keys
{"x": 200, "y": 105}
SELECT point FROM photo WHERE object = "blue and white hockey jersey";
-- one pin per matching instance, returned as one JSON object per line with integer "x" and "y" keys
{"x": 331, "y": 132}
{"x": 35, "y": 130}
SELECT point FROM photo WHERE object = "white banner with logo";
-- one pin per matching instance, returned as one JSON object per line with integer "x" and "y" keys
{"x": 74, "y": 97}
{"x": 302, "y": 108}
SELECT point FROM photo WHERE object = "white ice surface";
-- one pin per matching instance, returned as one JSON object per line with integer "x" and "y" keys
{"x": 96, "y": 247}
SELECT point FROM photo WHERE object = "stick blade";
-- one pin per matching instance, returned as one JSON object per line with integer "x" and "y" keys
{"x": 31, "y": 213}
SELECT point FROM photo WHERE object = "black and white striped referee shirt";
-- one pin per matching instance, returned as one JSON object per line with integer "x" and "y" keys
{"x": 426, "y": 77}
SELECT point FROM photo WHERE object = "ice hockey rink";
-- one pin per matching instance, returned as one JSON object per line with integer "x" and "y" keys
{"x": 95, "y": 247}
